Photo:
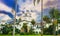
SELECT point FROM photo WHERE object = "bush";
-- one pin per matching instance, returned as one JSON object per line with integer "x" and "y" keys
{"x": 17, "y": 31}
{"x": 48, "y": 31}
{"x": 58, "y": 31}
{"x": 28, "y": 33}
{"x": 7, "y": 30}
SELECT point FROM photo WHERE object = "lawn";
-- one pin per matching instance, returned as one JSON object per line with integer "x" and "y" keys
{"x": 26, "y": 35}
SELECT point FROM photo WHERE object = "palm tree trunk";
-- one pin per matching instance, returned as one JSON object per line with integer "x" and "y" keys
{"x": 28, "y": 29}
{"x": 54, "y": 30}
{"x": 57, "y": 29}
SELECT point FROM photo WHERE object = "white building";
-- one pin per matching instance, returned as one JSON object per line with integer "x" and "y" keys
{"x": 21, "y": 24}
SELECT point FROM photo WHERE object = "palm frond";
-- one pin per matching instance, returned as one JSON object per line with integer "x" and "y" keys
{"x": 34, "y": 2}
{"x": 38, "y": 1}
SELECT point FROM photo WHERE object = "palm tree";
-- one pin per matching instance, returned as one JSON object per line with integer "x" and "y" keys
{"x": 33, "y": 22}
{"x": 35, "y": 1}
{"x": 20, "y": 20}
{"x": 46, "y": 19}
{"x": 54, "y": 14}
{"x": 38, "y": 1}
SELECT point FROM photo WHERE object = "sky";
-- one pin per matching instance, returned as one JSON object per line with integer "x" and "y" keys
{"x": 6, "y": 7}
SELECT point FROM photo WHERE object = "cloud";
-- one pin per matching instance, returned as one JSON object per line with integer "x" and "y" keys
{"x": 51, "y": 3}
{"x": 5, "y": 8}
{"x": 4, "y": 17}
{"x": 27, "y": 5}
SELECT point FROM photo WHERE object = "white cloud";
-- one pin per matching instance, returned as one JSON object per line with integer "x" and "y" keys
{"x": 30, "y": 6}
{"x": 50, "y": 2}
{"x": 4, "y": 7}
{"x": 4, "y": 17}
{"x": 1, "y": 15}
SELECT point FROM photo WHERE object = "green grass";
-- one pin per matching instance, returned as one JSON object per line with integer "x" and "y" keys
{"x": 26, "y": 35}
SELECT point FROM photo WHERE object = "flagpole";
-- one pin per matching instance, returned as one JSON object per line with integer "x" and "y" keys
{"x": 41, "y": 17}
{"x": 14, "y": 18}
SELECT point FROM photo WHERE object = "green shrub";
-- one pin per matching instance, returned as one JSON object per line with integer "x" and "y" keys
{"x": 48, "y": 31}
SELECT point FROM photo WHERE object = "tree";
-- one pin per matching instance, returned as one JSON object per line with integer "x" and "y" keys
{"x": 18, "y": 21}
{"x": 58, "y": 20}
{"x": 25, "y": 27}
{"x": 54, "y": 13}
{"x": 47, "y": 19}
{"x": 48, "y": 31}
{"x": 7, "y": 29}
{"x": 17, "y": 31}
{"x": 33, "y": 21}
{"x": 35, "y": 1}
